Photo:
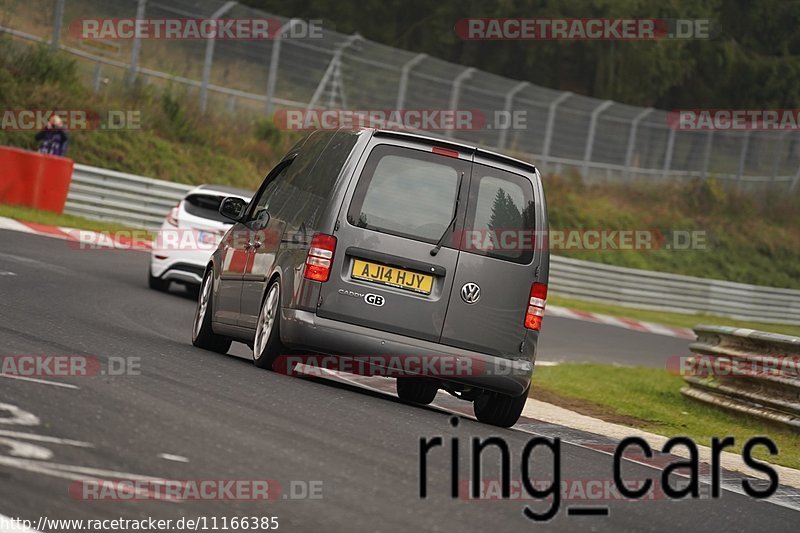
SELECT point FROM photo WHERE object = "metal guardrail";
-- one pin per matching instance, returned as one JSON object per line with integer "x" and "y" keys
{"x": 119, "y": 197}
{"x": 144, "y": 202}
{"x": 751, "y": 372}
{"x": 646, "y": 289}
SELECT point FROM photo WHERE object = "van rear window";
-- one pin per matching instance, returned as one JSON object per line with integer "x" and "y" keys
{"x": 500, "y": 221}
{"x": 406, "y": 192}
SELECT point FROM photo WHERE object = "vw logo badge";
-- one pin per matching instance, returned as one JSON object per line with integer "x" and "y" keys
{"x": 470, "y": 293}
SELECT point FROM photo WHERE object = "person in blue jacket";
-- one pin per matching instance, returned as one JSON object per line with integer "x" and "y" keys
{"x": 53, "y": 139}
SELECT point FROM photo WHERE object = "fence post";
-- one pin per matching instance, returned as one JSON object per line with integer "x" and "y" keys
{"x": 742, "y": 158}
{"x": 209, "y": 59}
{"x": 551, "y": 119}
{"x": 632, "y": 138}
{"x": 587, "y": 155}
{"x": 330, "y": 72}
{"x": 136, "y": 48}
{"x": 707, "y": 156}
{"x": 776, "y": 163}
{"x": 795, "y": 180}
{"x": 273, "y": 62}
{"x": 668, "y": 154}
{"x": 58, "y": 21}
{"x": 97, "y": 77}
{"x": 455, "y": 93}
{"x": 501, "y": 141}
{"x": 403, "y": 86}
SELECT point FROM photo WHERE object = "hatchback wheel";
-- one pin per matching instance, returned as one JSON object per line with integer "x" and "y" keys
{"x": 417, "y": 390}
{"x": 499, "y": 409}
{"x": 202, "y": 334}
{"x": 267, "y": 343}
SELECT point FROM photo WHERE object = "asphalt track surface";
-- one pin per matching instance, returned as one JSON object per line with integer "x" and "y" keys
{"x": 229, "y": 420}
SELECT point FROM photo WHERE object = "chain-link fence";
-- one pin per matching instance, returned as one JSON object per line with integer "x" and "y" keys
{"x": 564, "y": 132}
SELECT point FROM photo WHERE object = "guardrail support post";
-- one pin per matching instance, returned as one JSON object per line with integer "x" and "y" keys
{"x": 209, "y": 59}
{"x": 551, "y": 119}
{"x": 404, "y": 72}
{"x": 587, "y": 155}
{"x": 455, "y": 93}
{"x": 501, "y": 141}
{"x": 275, "y": 57}
{"x": 136, "y": 48}
{"x": 58, "y": 21}
{"x": 632, "y": 139}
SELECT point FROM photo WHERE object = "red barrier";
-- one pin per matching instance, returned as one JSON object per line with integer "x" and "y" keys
{"x": 34, "y": 180}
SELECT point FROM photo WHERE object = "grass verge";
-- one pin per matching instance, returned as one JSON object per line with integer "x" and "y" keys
{"x": 49, "y": 218}
{"x": 650, "y": 399}
{"x": 667, "y": 318}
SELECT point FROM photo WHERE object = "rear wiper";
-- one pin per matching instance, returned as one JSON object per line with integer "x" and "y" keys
{"x": 452, "y": 221}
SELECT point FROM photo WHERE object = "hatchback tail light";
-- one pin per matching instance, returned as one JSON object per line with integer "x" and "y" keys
{"x": 536, "y": 303}
{"x": 320, "y": 257}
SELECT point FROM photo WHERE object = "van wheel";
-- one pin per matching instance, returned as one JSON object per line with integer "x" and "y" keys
{"x": 499, "y": 409}
{"x": 202, "y": 334}
{"x": 157, "y": 284}
{"x": 267, "y": 343}
{"x": 417, "y": 390}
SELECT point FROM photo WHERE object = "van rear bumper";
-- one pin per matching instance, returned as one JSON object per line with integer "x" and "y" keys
{"x": 306, "y": 330}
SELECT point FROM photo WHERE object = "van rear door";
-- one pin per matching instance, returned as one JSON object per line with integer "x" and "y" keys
{"x": 498, "y": 261}
{"x": 384, "y": 275}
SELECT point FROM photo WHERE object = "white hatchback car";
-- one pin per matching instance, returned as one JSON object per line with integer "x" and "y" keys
{"x": 189, "y": 235}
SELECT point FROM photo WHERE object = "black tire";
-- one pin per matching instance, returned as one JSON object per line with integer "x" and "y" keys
{"x": 157, "y": 284}
{"x": 499, "y": 409}
{"x": 202, "y": 334}
{"x": 267, "y": 350}
{"x": 417, "y": 390}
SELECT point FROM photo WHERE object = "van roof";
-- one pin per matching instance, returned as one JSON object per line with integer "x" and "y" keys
{"x": 458, "y": 145}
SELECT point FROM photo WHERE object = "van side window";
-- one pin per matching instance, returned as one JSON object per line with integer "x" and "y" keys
{"x": 500, "y": 220}
{"x": 261, "y": 204}
{"x": 315, "y": 186}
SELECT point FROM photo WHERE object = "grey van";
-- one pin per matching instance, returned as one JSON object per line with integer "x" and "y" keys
{"x": 385, "y": 245}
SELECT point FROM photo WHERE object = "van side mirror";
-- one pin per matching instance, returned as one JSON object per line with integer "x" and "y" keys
{"x": 232, "y": 208}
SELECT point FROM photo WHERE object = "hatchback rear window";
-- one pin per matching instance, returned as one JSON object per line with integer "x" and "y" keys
{"x": 406, "y": 192}
{"x": 205, "y": 206}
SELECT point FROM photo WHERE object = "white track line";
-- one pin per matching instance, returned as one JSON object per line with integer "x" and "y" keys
{"x": 42, "y": 381}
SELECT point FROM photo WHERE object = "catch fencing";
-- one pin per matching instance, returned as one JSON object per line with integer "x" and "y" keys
{"x": 564, "y": 132}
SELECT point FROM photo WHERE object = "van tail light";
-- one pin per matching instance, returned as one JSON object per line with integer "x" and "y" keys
{"x": 320, "y": 257}
{"x": 536, "y": 303}
{"x": 172, "y": 217}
